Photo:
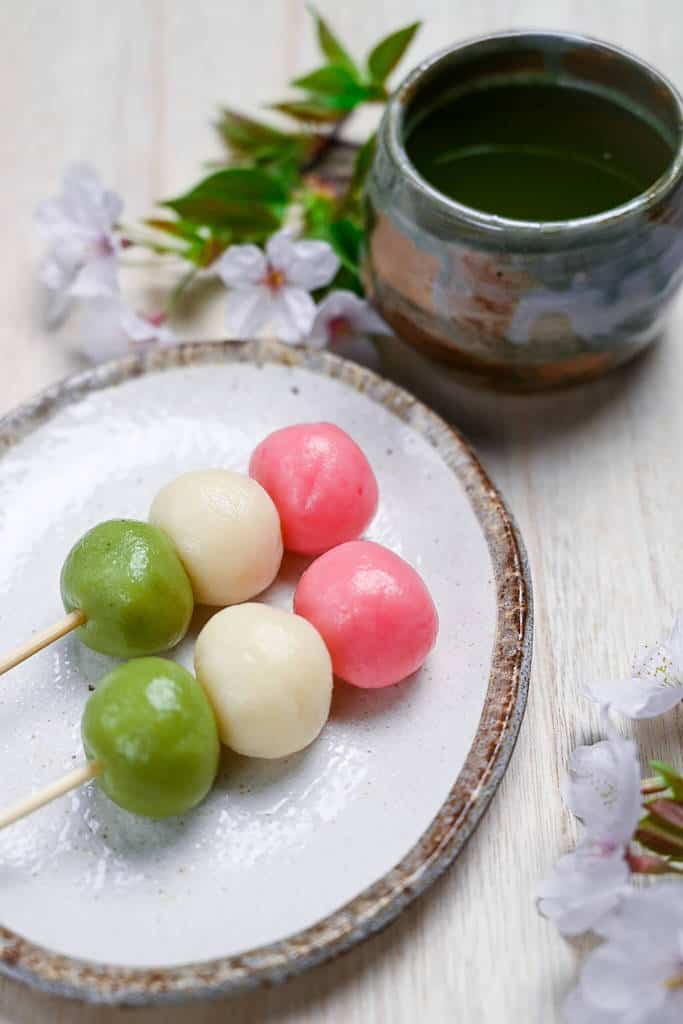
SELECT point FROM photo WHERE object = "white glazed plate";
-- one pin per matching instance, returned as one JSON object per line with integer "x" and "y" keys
{"x": 286, "y": 863}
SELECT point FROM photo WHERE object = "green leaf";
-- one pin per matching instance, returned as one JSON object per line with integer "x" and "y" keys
{"x": 347, "y": 238}
{"x": 241, "y": 183}
{"x": 670, "y": 776}
{"x": 256, "y": 144}
{"x": 249, "y": 199}
{"x": 318, "y": 212}
{"x": 349, "y": 100}
{"x": 329, "y": 80}
{"x": 331, "y": 46}
{"x": 386, "y": 55}
{"x": 309, "y": 111}
{"x": 244, "y": 134}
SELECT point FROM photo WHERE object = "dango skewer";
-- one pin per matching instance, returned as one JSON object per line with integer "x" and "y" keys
{"x": 124, "y": 589}
{"x": 150, "y": 739}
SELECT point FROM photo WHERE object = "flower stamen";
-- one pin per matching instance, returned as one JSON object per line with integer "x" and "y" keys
{"x": 339, "y": 328}
{"x": 274, "y": 279}
{"x": 676, "y": 982}
{"x": 104, "y": 247}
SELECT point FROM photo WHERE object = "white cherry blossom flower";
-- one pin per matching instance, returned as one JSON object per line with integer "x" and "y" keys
{"x": 603, "y": 790}
{"x": 343, "y": 317}
{"x": 636, "y": 976}
{"x": 78, "y": 226}
{"x": 272, "y": 288}
{"x": 655, "y": 684}
{"x": 603, "y": 787}
{"x": 107, "y": 329}
{"x": 585, "y": 887}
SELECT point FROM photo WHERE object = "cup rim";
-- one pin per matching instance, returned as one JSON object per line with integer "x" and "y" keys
{"x": 536, "y": 230}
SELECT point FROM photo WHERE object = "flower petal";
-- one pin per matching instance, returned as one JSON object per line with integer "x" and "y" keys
{"x": 615, "y": 980}
{"x": 142, "y": 331}
{"x": 56, "y": 275}
{"x": 241, "y": 266}
{"x": 291, "y": 316}
{"x": 85, "y": 211}
{"x": 577, "y": 1010}
{"x": 108, "y": 329}
{"x": 361, "y": 315}
{"x": 624, "y": 981}
{"x": 319, "y": 335}
{"x": 603, "y": 789}
{"x": 653, "y": 916}
{"x": 51, "y": 220}
{"x": 57, "y": 306}
{"x": 97, "y": 277}
{"x": 305, "y": 264}
{"x": 58, "y": 272}
{"x": 247, "y": 310}
{"x": 585, "y": 887}
{"x": 86, "y": 202}
{"x": 636, "y": 697}
{"x": 344, "y": 305}
{"x": 99, "y": 334}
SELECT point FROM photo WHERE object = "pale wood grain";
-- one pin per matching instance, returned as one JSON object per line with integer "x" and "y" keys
{"x": 594, "y": 476}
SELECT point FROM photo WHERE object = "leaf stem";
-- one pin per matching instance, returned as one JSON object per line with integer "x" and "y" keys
{"x": 184, "y": 282}
{"x": 327, "y": 141}
{"x": 654, "y": 784}
{"x": 146, "y": 243}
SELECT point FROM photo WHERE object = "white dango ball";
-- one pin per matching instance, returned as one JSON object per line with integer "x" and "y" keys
{"x": 226, "y": 531}
{"x": 268, "y": 676}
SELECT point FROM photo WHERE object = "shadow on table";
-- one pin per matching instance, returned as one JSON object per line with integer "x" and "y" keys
{"x": 493, "y": 417}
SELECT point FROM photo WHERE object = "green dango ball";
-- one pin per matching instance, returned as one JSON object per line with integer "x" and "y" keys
{"x": 130, "y": 584}
{"x": 151, "y": 728}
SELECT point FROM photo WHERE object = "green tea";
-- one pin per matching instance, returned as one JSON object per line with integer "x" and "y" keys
{"x": 536, "y": 150}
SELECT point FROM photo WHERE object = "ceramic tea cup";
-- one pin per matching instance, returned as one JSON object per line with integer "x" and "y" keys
{"x": 528, "y": 303}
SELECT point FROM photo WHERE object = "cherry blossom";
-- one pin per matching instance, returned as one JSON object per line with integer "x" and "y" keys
{"x": 603, "y": 791}
{"x": 636, "y": 976}
{"x": 655, "y": 684}
{"x": 272, "y": 288}
{"x": 342, "y": 317}
{"x": 78, "y": 226}
{"x": 585, "y": 887}
{"x": 107, "y": 329}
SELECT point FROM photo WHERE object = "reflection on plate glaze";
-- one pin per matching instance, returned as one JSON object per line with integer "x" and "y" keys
{"x": 258, "y": 810}
{"x": 244, "y": 836}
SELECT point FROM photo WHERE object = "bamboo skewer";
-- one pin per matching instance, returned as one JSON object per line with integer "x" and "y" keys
{"x": 40, "y": 640}
{"x": 76, "y": 778}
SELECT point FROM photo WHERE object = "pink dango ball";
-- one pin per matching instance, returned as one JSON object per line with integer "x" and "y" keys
{"x": 373, "y": 611}
{"x": 320, "y": 482}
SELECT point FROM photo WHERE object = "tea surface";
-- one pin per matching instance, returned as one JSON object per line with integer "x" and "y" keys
{"x": 537, "y": 151}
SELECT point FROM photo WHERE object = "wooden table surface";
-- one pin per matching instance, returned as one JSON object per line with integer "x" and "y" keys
{"x": 594, "y": 475}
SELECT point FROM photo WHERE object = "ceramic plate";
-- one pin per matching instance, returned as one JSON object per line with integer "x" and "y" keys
{"x": 287, "y": 863}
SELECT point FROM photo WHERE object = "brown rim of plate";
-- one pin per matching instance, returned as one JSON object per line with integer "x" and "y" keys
{"x": 494, "y": 741}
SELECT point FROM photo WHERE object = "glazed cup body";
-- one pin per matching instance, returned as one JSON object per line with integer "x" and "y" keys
{"x": 525, "y": 304}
